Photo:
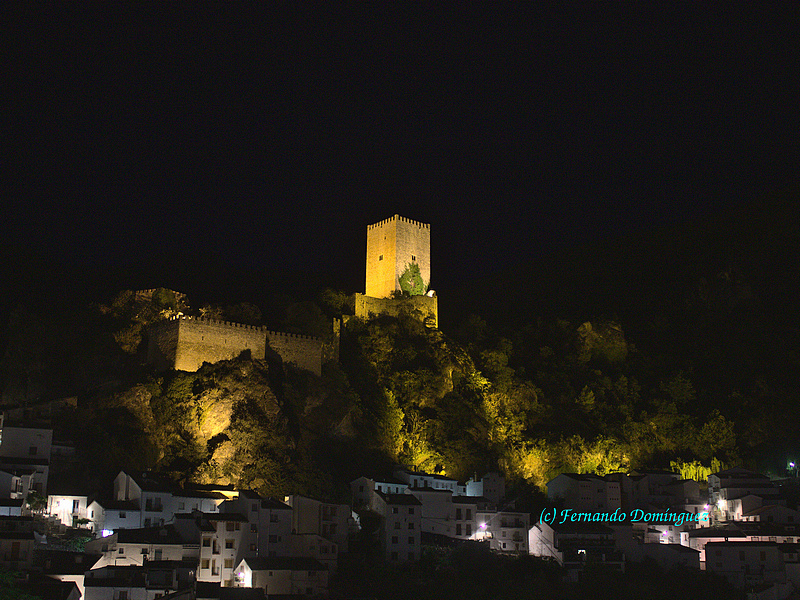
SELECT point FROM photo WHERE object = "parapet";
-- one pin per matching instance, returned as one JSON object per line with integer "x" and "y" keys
{"x": 401, "y": 219}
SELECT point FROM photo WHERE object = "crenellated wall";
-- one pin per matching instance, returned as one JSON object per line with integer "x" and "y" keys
{"x": 303, "y": 350}
{"x": 185, "y": 343}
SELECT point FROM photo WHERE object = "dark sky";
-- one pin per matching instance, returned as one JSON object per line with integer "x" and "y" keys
{"x": 184, "y": 146}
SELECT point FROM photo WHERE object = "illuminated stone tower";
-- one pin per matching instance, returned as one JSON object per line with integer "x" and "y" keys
{"x": 394, "y": 247}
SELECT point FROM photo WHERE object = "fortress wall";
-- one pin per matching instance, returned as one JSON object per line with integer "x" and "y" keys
{"x": 368, "y": 307}
{"x": 207, "y": 340}
{"x": 302, "y": 350}
{"x": 162, "y": 344}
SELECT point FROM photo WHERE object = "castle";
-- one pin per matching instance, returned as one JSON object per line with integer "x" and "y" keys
{"x": 398, "y": 270}
{"x": 398, "y": 273}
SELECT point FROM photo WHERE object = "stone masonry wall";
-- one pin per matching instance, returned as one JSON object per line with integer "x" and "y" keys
{"x": 206, "y": 340}
{"x": 302, "y": 350}
{"x": 368, "y": 307}
{"x": 185, "y": 343}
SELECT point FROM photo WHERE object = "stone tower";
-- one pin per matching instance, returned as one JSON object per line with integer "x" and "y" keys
{"x": 394, "y": 245}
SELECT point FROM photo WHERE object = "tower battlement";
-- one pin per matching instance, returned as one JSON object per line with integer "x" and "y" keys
{"x": 399, "y": 218}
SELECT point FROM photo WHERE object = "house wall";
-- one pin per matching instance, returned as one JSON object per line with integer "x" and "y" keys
{"x": 26, "y": 442}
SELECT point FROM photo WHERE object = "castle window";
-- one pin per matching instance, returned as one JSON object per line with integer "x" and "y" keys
{"x": 380, "y": 257}
{"x": 413, "y": 257}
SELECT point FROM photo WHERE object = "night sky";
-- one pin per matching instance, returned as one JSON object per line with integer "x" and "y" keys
{"x": 195, "y": 148}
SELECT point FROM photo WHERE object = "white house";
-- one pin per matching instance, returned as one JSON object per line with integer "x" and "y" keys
{"x": 67, "y": 508}
{"x": 16, "y": 542}
{"x": 747, "y": 563}
{"x": 25, "y": 452}
{"x": 504, "y": 530}
{"x": 576, "y": 545}
{"x": 331, "y": 521}
{"x": 65, "y": 565}
{"x": 585, "y": 492}
{"x": 289, "y": 576}
{"x": 110, "y": 515}
{"x": 401, "y": 525}
{"x": 135, "y": 547}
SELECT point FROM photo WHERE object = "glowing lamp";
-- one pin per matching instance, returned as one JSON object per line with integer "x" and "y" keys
{"x": 106, "y": 532}
{"x": 483, "y": 525}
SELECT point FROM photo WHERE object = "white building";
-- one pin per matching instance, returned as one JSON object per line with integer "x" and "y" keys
{"x": 16, "y": 542}
{"x": 331, "y": 521}
{"x": 68, "y": 508}
{"x": 25, "y": 452}
{"x": 65, "y": 565}
{"x": 135, "y": 547}
{"x": 576, "y": 545}
{"x": 289, "y": 576}
{"x": 364, "y": 487}
{"x": 110, "y": 515}
{"x": 504, "y": 530}
{"x": 585, "y": 492}
{"x": 401, "y": 525}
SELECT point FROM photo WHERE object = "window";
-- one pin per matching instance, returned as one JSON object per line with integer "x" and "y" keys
{"x": 397, "y": 524}
{"x": 76, "y": 505}
{"x": 158, "y": 554}
{"x": 254, "y": 507}
{"x": 181, "y": 505}
{"x": 411, "y": 526}
{"x": 333, "y": 528}
{"x": 469, "y": 528}
{"x": 273, "y": 518}
{"x": 410, "y": 541}
{"x": 122, "y": 595}
{"x": 394, "y": 510}
{"x": 394, "y": 539}
{"x": 323, "y": 549}
{"x": 458, "y": 514}
{"x": 253, "y": 528}
{"x": 206, "y": 542}
{"x": 413, "y": 257}
{"x": 228, "y": 564}
{"x": 458, "y": 528}
{"x": 253, "y": 548}
{"x": 411, "y": 510}
{"x": 361, "y": 488}
{"x": 123, "y": 514}
{"x": 228, "y": 544}
{"x": 229, "y": 526}
{"x": 469, "y": 514}
{"x": 121, "y": 550}
{"x": 380, "y": 257}
{"x": 144, "y": 551}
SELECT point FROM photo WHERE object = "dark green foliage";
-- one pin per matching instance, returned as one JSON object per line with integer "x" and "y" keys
{"x": 411, "y": 281}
